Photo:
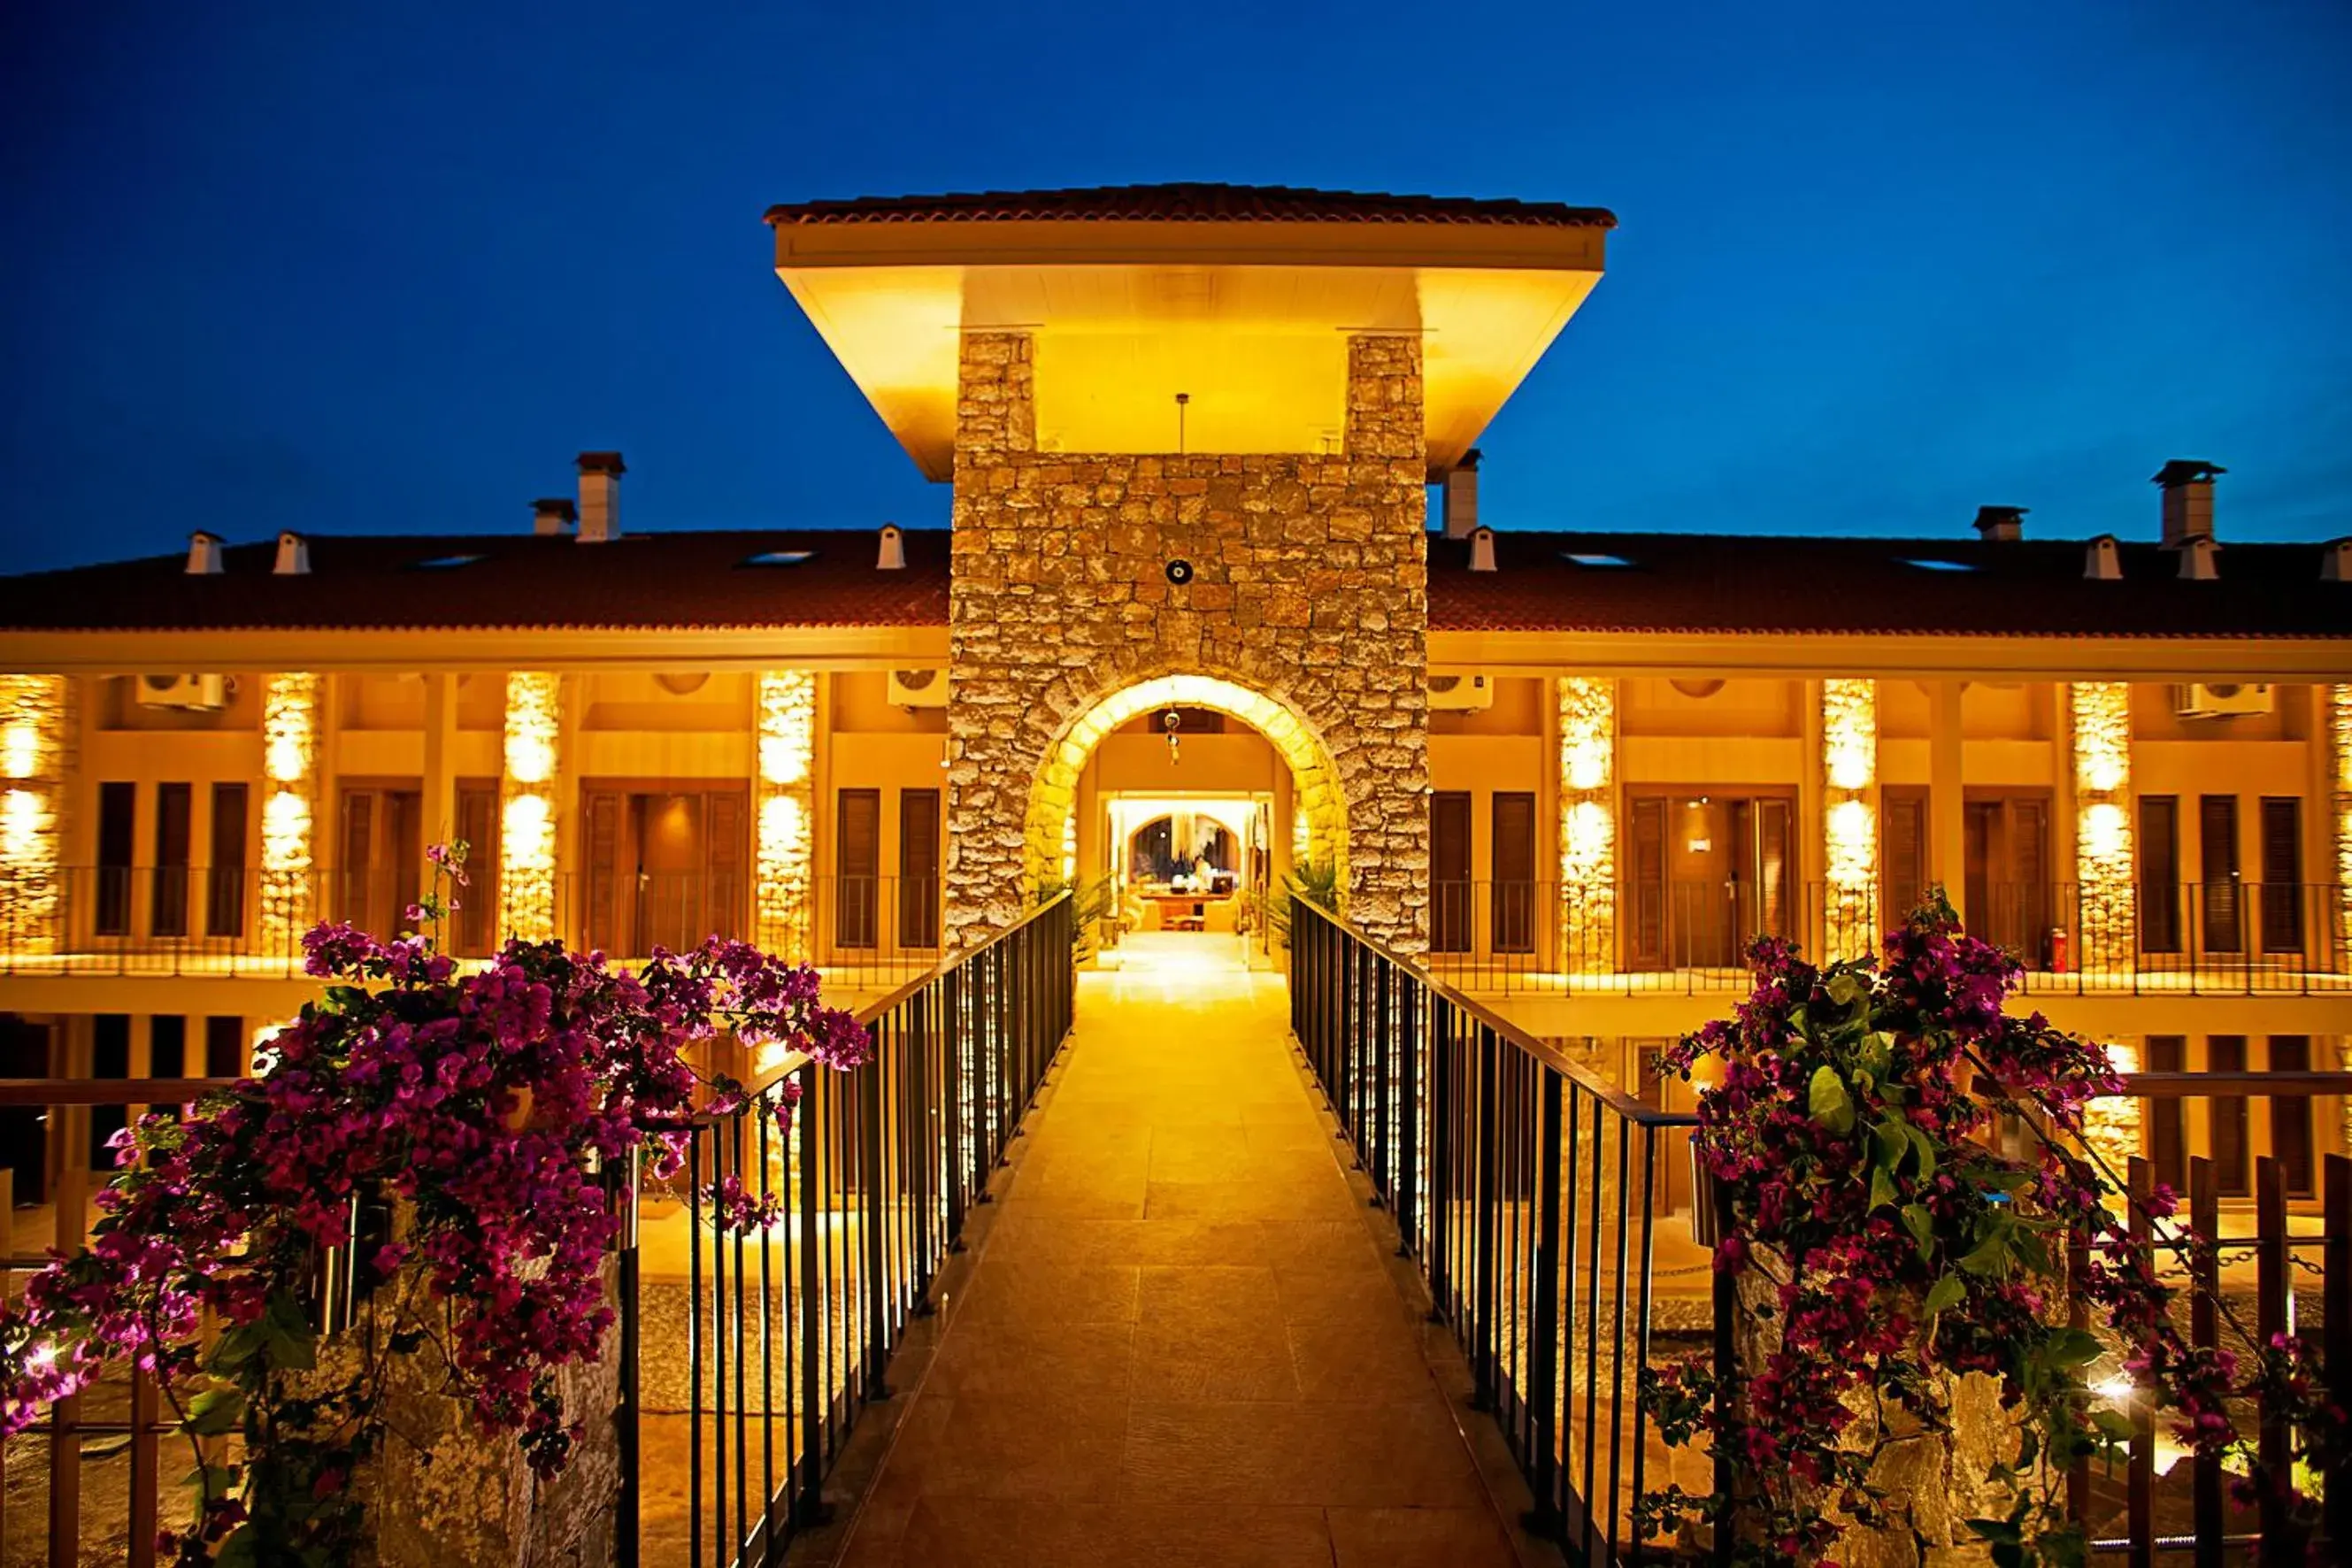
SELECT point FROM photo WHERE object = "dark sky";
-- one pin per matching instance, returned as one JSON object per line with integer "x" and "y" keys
{"x": 345, "y": 269}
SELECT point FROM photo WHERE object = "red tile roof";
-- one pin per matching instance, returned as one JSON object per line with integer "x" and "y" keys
{"x": 1672, "y": 583}
{"x": 1189, "y": 203}
{"x": 645, "y": 581}
{"x": 1764, "y": 583}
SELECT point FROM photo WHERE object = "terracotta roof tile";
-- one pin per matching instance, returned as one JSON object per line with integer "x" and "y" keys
{"x": 1765, "y": 584}
{"x": 1191, "y": 203}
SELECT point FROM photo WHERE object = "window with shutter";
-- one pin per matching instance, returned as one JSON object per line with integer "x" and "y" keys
{"x": 224, "y": 880}
{"x": 726, "y": 859}
{"x": 118, "y": 808}
{"x": 2227, "y": 1112}
{"x": 2160, "y": 873}
{"x": 918, "y": 869}
{"x": 2282, "y": 894}
{"x": 1449, "y": 872}
{"x": 2217, "y": 834}
{"x": 603, "y": 915}
{"x": 475, "y": 930}
{"x": 2168, "y": 1131}
{"x": 2291, "y": 1138}
{"x": 858, "y": 863}
{"x": 224, "y": 1047}
{"x": 1904, "y": 853}
{"x": 1647, "y": 882}
{"x": 1514, "y": 912}
{"x": 168, "y": 913}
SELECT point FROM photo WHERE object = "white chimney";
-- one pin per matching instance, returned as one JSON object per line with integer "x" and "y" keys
{"x": 1482, "y": 550}
{"x": 293, "y": 556}
{"x": 2335, "y": 561}
{"x": 600, "y": 496}
{"x": 1461, "y": 500}
{"x": 2201, "y": 559}
{"x": 553, "y": 516}
{"x": 893, "y": 556}
{"x": 2102, "y": 561}
{"x": 2187, "y": 500}
{"x": 204, "y": 554}
{"x": 2001, "y": 525}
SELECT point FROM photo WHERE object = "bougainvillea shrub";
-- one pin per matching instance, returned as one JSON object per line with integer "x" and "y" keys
{"x": 1852, "y": 1118}
{"x": 485, "y": 1109}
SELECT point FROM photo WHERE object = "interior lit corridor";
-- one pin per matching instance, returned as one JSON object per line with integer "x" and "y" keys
{"x": 1184, "y": 1341}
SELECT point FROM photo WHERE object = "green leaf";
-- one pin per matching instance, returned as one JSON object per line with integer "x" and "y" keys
{"x": 2114, "y": 1426}
{"x": 2071, "y": 1347}
{"x": 1948, "y": 1291}
{"x": 241, "y": 1550}
{"x": 1828, "y": 1102}
{"x": 1989, "y": 1256}
{"x": 2000, "y": 1531}
{"x": 1846, "y": 988}
{"x": 210, "y": 1481}
{"x": 1882, "y": 1188}
{"x": 1922, "y": 1226}
{"x": 214, "y": 1413}
{"x": 236, "y": 1348}
{"x": 1887, "y": 1144}
{"x": 287, "y": 1330}
{"x": 1924, "y": 1147}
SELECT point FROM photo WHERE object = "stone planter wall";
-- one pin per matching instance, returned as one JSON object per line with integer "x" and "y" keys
{"x": 1308, "y": 586}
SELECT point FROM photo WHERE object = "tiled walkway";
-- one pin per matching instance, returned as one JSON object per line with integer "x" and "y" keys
{"x": 1182, "y": 1345}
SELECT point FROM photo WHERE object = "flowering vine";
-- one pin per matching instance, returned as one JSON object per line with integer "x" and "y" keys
{"x": 469, "y": 1121}
{"x": 1891, "y": 1247}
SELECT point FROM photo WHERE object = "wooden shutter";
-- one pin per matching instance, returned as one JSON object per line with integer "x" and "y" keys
{"x": 167, "y": 1046}
{"x": 225, "y": 882}
{"x": 168, "y": 915}
{"x": 726, "y": 849}
{"x": 1904, "y": 853}
{"x": 1514, "y": 912}
{"x": 602, "y": 813}
{"x": 109, "y": 1057}
{"x": 2168, "y": 1130}
{"x": 2290, "y": 1140}
{"x": 2282, "y": 868}
{"x": 118, "y": 814}
{"x": 476, "y": 929}
{"x": 2028, "y": 866}
{"x": 919, "y": 867}
{"x": 359, "y": 856}
{"x": 2217, "y": 831}
{"x": 1646, "y": 856}
{"x": 2159, "y": 867}
{"x": 1449, "y": 872}
{"x": 859, "y": 851}
{"x": 2227, "y": 1053}
{"x": 1775, "y": 842}
{"x": 224, "y": 1047}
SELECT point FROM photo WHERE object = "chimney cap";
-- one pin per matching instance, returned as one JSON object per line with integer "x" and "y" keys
{"x": 2187, "y": 471}
{"x": 602, "y": 463}
{"x": 2007, "y": 521}
{"x": 555, "y": 505}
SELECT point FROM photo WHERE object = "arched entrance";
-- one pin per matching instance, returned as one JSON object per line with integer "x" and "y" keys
{"x": 1317, "y": 802}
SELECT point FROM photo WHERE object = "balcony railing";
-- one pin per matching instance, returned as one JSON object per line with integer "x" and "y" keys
{"x": 178, "y": 921}
{"x": 2228, "y": 938}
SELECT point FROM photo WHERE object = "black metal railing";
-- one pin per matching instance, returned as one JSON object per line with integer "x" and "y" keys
{"x": 2217, "y": 939}
{"x": 788, "y": 1330}
{"x": 1535, "y": 1199}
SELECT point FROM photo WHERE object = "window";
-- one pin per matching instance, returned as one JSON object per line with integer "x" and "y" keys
{"x": 919, "y": 867}
{"x": 118, "y": 808}
{"x": 778, "y": 557}
{"x": 224, "y": 1047}
{"x": 224, "y": 880}
{"x": 1933, "y": 565}
{"x": 2160, "y": 873}
{"x": 1514, "y": 912}
{"x": 2217, "y": 831}
{"x": 169, "y": 914}
{"x": 858, "y": 848}
{"x": 2167, "y": 1127}
{"x": 2291, "y": 1138}
{"x": 2227, "y": 1053}
{"x": 2007, "y": 872}
{"x": 1903, "y": 852}
{"x": 1450, "y": 886}
{"x": 446, "y": 562}
{"x": 109, "y": 1057}
{"x": 2281, "y": 895}
{"x": 1596, "y": 560}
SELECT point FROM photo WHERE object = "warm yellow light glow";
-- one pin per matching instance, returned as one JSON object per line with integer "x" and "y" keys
{"x": 1850, "y": 829}
{"x": 2100, "y": 712}
{"x": 1588, "y": 825}
{"x": 787, "y": 721}
{"x": 32, "y": 737}
{"x": 527, "y": 815}
{"x": 1319, "y": 807}
{"x": 2339, "y": 733}
{"x": 289, "y": 761}
{"x": 2112, "y": 1127}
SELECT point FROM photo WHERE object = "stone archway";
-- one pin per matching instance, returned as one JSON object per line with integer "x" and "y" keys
{"x": 1317, "y": 798}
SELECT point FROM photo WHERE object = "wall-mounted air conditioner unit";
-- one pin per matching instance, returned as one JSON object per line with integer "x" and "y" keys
{"x": 918, "y": 688}
{"x": 2220, "y": 702}
{"x": 1460, "y": 693}
{"x": 197, "y": 692}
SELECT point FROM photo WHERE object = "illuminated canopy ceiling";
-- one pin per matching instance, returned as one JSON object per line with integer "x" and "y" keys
{"x": 1242, "y": 303}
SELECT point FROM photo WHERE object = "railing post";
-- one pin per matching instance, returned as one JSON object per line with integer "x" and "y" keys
{"x": 1487, "y": 1052}
{"x": 1726, "y": 1375}
{"x": 2337, "y": 1288}
{"x": 809, "y": 1507}
{"x": 2204, "y": 1324}
{"x": 2274, "y": 1444}
{"x": 1406, "y": 1201}
{"x": 1439, "y": 1220}
{"x": 1543, "y": 1345}
{"x": 878, "y": 1320}
{"x": 1382, "y": 1037}
{"x": 2140, "y": 1475}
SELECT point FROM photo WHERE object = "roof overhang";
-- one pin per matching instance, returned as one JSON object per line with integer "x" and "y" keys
{"x": 1249, "y": 318}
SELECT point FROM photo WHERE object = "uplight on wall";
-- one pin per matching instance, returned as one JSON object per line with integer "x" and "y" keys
{"x": 2100, "y": 712}
{"x": 2339, "y": 740}
{"x": 1587, "y": 824}
{"x": 787, "y": 721}
{"x": 527, "y": 810}
{"x": 1849, "y": 825}
{"x": 290, "y": 767}
{"x": 2111, "y": 1125}
{"x": 32, "y": 735}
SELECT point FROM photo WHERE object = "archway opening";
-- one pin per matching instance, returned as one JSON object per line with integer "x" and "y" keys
{"x": 1309, "y": 815}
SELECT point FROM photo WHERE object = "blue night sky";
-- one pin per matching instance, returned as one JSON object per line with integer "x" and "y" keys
{"x": 284, "y": 267}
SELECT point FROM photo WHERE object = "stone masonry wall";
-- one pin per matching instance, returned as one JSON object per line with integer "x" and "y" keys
{"x": 1310, "y": 585}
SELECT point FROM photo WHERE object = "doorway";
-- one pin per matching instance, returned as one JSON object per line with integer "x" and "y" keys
{"x": 666, "y": 866}
{"x": 1707, "y": 874}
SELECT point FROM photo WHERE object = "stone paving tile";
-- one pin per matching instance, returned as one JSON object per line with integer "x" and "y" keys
{"x": 1182, "y": 1344}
